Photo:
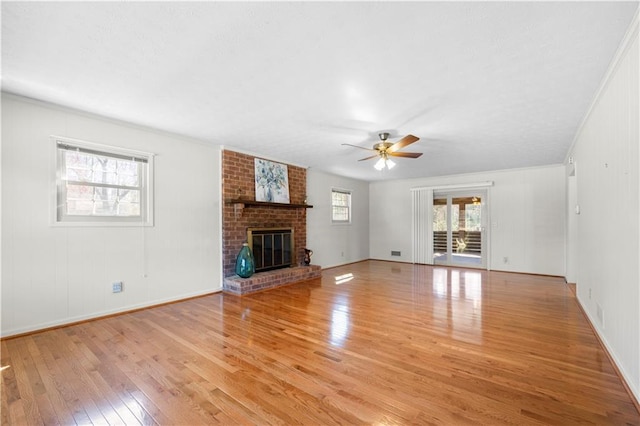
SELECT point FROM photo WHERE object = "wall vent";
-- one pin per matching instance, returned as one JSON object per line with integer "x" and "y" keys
{"x": 395, "y": 253}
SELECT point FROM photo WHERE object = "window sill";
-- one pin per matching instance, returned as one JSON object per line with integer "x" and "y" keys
{"x": 100, "y": 224}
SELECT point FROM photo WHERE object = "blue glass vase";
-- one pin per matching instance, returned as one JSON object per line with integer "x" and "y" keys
{"x": 245, "y": 264}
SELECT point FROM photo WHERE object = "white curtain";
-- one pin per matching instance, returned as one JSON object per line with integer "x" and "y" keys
{"x": 422, "y": 225}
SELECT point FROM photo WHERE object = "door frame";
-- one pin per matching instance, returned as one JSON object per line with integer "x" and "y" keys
{"x": 483, "y": 194}
{"x": 423, "y": 219}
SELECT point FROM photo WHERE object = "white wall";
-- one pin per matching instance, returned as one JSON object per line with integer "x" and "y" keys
{"x": 607, "y": 236}
{"x": 572, "y": 226}
{"x": 334, "y": 245}
{"x": 526, "y": 213}
{"x": 55, "y": 275}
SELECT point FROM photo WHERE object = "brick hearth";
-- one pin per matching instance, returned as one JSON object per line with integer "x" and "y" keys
{"x": 270, "y": 279}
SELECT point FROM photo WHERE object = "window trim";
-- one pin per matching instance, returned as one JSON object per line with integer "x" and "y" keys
{"x": 349, "y": 207}
{"x": 146, "y": 188}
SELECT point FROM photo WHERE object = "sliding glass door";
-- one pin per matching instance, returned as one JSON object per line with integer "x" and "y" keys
{"x": 458, "y": 229}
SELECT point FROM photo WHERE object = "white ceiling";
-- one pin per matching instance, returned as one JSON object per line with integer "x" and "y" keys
{"x": 485, "y": 86}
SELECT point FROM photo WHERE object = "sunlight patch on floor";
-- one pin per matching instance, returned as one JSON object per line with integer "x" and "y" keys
{"x": 341, "y": 279}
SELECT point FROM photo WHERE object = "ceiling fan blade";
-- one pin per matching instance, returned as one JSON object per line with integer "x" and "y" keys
{"x": 405, "y": 154}
{"x": 361, "y": 147}
{"x": 407, "y": 140}
{"x": 369, "y": 158}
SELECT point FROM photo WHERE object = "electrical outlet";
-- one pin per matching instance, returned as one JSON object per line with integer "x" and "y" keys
{"x": 505, "y": 259}
{"x": 116, "y": 287}
{"x": 341, "y": 254}
{"x": 589, "y": 293}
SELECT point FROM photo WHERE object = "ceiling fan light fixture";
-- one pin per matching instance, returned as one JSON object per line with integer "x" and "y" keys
{"x": 383, "y": 162}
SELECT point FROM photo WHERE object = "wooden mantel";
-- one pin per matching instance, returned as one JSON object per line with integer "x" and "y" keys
{"x": 268, "y": 204}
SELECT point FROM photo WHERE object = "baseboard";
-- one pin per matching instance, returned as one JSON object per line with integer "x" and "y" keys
{"x": 38, "y": 328}
{"x": 338, "y": 265}
{"x": 634, "y": 393}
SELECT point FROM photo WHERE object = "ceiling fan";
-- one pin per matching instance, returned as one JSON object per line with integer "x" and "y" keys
{"x": 385, "y": 149}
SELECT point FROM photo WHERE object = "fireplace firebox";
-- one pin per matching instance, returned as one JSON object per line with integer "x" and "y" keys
{"x": 272, "y": 248}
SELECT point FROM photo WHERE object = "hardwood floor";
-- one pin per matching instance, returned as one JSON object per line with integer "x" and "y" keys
{"x": 395, "y": 344}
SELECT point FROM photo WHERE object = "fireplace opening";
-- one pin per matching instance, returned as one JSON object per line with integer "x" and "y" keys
{"x": 272, "y": 248}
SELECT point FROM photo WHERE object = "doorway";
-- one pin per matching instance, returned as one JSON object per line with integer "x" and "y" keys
{"x": 459, "y": 229}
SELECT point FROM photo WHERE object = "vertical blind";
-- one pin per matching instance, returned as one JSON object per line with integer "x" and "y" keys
{"x": 422, "y": 226}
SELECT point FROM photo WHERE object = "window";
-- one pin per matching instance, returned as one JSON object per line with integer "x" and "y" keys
{"x": 340, "y": 206}
{"x": 100, "y": 185}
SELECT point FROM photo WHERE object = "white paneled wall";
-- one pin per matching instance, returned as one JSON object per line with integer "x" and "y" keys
{"x": 55, "y": 275}
{"x": 605, "y": 238}
{"x": 338, "y": 244}
{"x": 526, "y": 213}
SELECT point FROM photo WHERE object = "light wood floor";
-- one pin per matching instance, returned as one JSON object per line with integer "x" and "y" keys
{"x": 397, "y": 344}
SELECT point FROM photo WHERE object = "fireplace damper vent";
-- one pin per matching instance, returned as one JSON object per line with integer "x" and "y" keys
{"x": 272, "y": 248}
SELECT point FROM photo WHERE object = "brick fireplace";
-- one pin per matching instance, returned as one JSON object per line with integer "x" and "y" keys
{"x": 238, "y": 174}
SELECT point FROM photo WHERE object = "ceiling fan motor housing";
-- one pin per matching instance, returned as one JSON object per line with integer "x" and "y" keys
{"x": 382, "y": 146}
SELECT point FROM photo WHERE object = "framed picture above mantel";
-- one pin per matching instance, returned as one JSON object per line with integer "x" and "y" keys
{"x": 272, "y": 182}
